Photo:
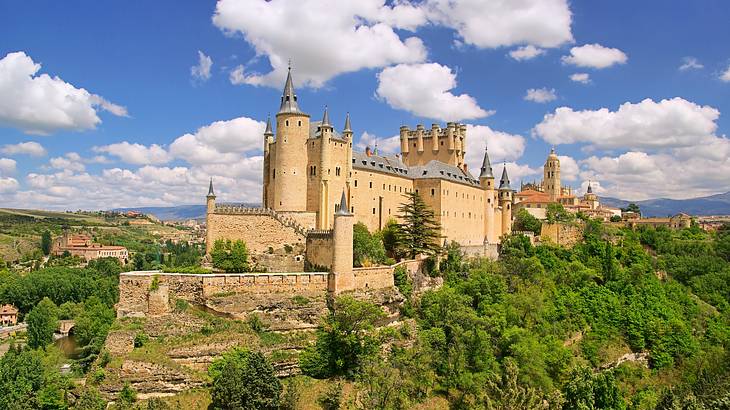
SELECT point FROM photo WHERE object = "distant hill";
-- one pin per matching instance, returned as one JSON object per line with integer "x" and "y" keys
{"x": 718, "y": 204}
{"x": 175, "y": 213}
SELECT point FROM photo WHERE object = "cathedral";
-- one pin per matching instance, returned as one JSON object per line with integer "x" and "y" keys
{"x": 308, "y": 165}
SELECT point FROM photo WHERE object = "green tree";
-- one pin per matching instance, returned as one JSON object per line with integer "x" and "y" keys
{"x": 632, "y": 207}
{"x": 244, "y": 380}
{"x": 366, "y": 248}
{"x": 419, "y": 233}
{"x": 615, "y": 218}
{"x": 230, "y": 256}
{"x": 588, "y": 391}
{"x": 93, "y": 324}
{"x": 46, "y": 242}
{"x": 21, "y": 377}
{"x": 344, "y": 339}
{"x": 42, "y": 322}
{"x": 524, "y": 221}
{"x": 389, "y": 235}
{"x": 557, "y": 213}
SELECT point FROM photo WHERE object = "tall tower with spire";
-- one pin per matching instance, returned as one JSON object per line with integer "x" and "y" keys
{"x": 505, "y": 201}
{"x": 210, "y": 206}
{"x": 325, "y": 170}
{"x": 486, "y": 180}
{"x": 551, "y": 176}
{"x": 288, "y": 175}
{"x": 347, "y": 136}
{"x": 268, "y": 140}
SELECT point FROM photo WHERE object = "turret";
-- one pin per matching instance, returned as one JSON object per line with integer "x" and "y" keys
{"x": 210, "y": 208}
{"x": 435, "y": 131}
{"x": 347, "y": 134}
{"x": 268, "y": 140}
{"x": 505, "y": 201}
{"x": 288, "y": 173}
{"x": 486, "y": 180}
{"x": 325, "y": 155}
{"x": 404, "y": 140}
{"x": 342, "y": 278}
{"x": 419, "y": 138}
{"x": 450, "y": 135}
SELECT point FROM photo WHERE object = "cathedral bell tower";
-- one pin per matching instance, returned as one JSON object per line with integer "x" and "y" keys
{"x": 551, "y": 176}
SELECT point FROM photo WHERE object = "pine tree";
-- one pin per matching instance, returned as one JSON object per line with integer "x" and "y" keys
{"x": 46, "y": 243}
{"x": 419, "y": 231}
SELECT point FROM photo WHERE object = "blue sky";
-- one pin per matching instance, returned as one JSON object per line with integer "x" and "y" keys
{"x": 146, "y": 131}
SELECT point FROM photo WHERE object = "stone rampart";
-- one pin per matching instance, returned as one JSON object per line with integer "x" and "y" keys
{"x": 563, "y": 234}
{"x": 320, "y": 246}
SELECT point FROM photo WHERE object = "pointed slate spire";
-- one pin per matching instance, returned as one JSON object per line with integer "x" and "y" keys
{"x": 289, "y": 98}
{"x": 348, "y": 128}
{"x": 504, "y": 181}
{"x": 590, "y": 190}
{"x": 486, "y": 166}
{"x": 210, "y": 189}
{"x": 326, "y": 118}
{"x": 268, "y": 132}
{"x": 343, "y": 205}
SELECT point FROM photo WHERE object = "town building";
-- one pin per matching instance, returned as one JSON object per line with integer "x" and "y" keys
{"x": 308, "y": 164}
{"x": 8, "y": 315}
{"x": 81, "y": 245}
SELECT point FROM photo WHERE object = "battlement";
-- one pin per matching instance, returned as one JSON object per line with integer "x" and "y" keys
{"x": 235, "y": 209}
{"x": 319, "y": 233}
{"x": 451, "y": 128}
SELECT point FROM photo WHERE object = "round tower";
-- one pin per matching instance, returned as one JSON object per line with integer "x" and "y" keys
{"x": 325, "y": 166}
{"x": 486, "y": 180}
{"x": 505, "y": 201}
{"x": 551, "y": 176}
{"x": 342, "y": 278}
{"x": 288, "y": 174}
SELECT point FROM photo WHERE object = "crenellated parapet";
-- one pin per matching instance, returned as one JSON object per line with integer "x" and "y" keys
{"x": 236, "y": 209}
{"x": 420, "y": 145}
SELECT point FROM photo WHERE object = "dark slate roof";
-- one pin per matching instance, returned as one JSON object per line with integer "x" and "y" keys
{"x": 394, "y": 165}
{"x": 316, "y": 132}
{"x": 289, "y": 98}
{"x": 268, "y": 131}
{"x": 378, "y": 163}
{"x": 210, "y": 188}
{"x": 486, "y": 167}
{"x": 348, "y": 128}
{"x": 504, "y": 181}
{"x": 437, "y": 169}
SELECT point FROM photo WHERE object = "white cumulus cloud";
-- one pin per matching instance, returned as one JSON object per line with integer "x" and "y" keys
{"x": 201, "y": 71}
{"x": 583, "y": 78}
{"x": 31, "y": 148}
{"x": 540, "y": 95}
{"x": 323, "y": 38}
{"x": 389, "y": 145}
{"x": 648, "y": 124}
{"x": 220, "y": 142}
{"x": 527, "y": 52}
{"x": 595, "y": 56}
{"x": 498, "y": 23}
{"x": 425, "y": 90}
{"x": 7, "y": 166}
{"x": 136, "y": 153}
{"x": 502, "y": 146}
{"x": 41, "y": 104}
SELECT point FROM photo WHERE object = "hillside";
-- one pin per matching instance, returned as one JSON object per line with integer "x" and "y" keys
{"x": 718, "y": 204}
{"x": 175, "y": 213}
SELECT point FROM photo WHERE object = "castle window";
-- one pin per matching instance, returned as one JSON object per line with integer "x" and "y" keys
{"x": 371, "y": 184}
{"x": 383, "y": 187}
{"x": 373, "y": 211}
{"x": 300, "y": 123}
{"x": 287, "y": 123}
{"x": 273, "y": 174}
{"x": 352, "y": 209}
{"x": 356, "y": 183}
{"x": 433, "y": 192}
{"x": 337, "y": 171}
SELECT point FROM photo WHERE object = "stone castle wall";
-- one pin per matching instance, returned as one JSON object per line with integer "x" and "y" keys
{"x": 561, "y": 233}
{"x": 320, "y": 246}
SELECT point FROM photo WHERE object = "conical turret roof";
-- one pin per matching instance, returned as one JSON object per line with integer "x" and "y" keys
{"x": 590, "y": 189}
{"x": 343, "y": 205}
{"x": 504, "y": 181}
{"x": 268, "y": 131}
{"x": 326, "y": 118}
{"x": 348, "y": 128}
{"x": 486, "y": 166}
{"x": 210, "y": 188}
{"x": 289, "y": 98}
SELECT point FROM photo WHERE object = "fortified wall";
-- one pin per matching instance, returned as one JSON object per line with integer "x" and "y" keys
{"x": 563, "y": 234}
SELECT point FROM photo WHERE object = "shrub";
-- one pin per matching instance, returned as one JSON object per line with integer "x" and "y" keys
{"x": 140, "y": 339}
{"x": 331, "y": 399}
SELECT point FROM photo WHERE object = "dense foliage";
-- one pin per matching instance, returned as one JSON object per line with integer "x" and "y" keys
{"x": 29, "y": 380}
{"x": 524, "y": 221}
{"x": 42, "y": 322}
{"x": 230, "y": 256}
{"x": 244, "y": 380}
{"x": 367, "y": 248}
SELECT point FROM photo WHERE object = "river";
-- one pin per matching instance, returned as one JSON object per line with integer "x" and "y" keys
{"x": 69, "y": 347}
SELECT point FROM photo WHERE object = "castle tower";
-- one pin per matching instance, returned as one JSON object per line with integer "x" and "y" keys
{"x": 505, "y": 201}
{"x": 342, "y": 278}
{"x": 551, "y": 176}
{"x": 347, "y": 135}
{"x": 325, "y": 158}
{"x": 486, "y": 180}
{"x": 210, "y": 208}
{"x": 288, "y": 174}
{"x": 268, "y": 140}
